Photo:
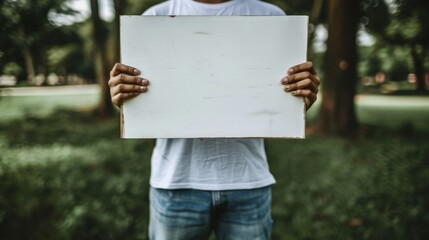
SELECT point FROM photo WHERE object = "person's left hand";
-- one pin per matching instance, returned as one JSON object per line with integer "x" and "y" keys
{"x": 302, "y": 80}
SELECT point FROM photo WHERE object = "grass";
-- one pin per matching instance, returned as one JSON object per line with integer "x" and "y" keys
{"x": 21, "y": 106}
{"x": 331, "y": 188}
{"x": 66, "y": 175}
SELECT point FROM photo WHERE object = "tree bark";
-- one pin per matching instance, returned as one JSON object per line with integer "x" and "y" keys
{"x": 419, "y": 69}
{"x": 29, "y": 64}
{"x": 337, "y": 114}
{"x": 316, "y": 10}
{"x": 99, "y": 32}
{"x": 42, "y": 64}
{"x": 119, "y": 10}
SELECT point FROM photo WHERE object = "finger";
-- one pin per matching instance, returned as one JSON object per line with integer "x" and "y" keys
{"x": 308, "y": 103}
{"x": 308, "y": 81}
{"x": 302, "y": 93}
{"x": 315, "y": 79}
{"x": 127, "y": 88}
{"x": 310, "y": 100}
{"x": 296, "y": 77}
{"x": 303, "y": 84}
{"x": 309, "y": 97}
{"x": 122, "y": 68}
{"x": 127, "y": 79}
{"x": 120, "y": 98}
{"x": 307, "y": 66}
{"x": 300, "y": 76}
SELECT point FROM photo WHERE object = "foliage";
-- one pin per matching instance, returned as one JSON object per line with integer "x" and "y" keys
{"x": 375, "y": 15}
{"x": 404, "y": 25}
{"x": 68, "y": 182}
{"x": 399, "y": 70}
{"x": 66, "y": 175}
{"x": 28, "y": 31}
{"x": 412, "y": 14}
{"x": 138, "y": 6}
{"x": 364, "y": 189}
{"x": 12, "y": 68}
{"x": 394, "y": 61}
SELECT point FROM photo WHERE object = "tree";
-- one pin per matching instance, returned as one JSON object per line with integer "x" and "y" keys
{"x": 27, "y": 29}
{"x": 414, "y": 32}
{"x": 337, "y": 114}
{"x": 101, "y": 34}
{"x": 120, "y": 6}
{"x": 99, "y": 37}
{"x": 406, "y": 26}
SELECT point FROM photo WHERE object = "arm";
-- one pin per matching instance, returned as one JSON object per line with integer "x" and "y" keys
{"x": 302, "y": 80}
{"x": 125, "y": 84}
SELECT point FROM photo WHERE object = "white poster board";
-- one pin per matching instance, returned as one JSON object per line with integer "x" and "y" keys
{"x": 214, "y": 76}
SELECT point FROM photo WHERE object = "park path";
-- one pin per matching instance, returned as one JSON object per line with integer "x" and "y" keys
{"x": 51, "y": 90}
{"x": 388, "y": 100}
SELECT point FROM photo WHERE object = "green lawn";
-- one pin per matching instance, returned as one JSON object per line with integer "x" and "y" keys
{"x": 17, "y": 107}
{"x": 64, "y": 174}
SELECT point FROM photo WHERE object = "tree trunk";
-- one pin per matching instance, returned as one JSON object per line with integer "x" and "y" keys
{"x": 337, "y": 114}
{"x": 29, "y": 64}
{"x": 119, "y": 10}
{"x": 42, "y": 64}
{"x": 316, "y": 10}
{"x": 99, "y": 32}
{"x": 315, "y": 14}
{"x": 419, "y": 69}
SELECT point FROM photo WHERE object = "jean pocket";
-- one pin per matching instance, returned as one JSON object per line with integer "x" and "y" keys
{"x": 179, "y": 209}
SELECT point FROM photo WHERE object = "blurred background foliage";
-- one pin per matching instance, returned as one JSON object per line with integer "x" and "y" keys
{"x": 65, "y": 174}
{"x": 362, "y": 172}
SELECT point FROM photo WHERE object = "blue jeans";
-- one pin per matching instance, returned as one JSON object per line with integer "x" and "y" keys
{"x": 194, "y": 214}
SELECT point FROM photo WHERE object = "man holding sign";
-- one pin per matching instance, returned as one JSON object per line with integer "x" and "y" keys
{"x": 204, "y": 185}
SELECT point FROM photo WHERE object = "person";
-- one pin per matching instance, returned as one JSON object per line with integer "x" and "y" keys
{"x": 200, "y": 186}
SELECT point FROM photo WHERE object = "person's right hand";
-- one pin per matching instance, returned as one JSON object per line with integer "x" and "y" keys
{"x": 125, "y": 84}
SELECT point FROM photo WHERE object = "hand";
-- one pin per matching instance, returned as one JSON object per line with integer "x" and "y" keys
{"x": 125, "y": 84}
{"x": 302, "y": 80}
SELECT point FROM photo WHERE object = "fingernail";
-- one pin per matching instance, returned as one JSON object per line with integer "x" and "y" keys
{"x": 287, "y": 88}
{"x": 294, "y": 93}
{"x": 290, "y": 70}
{"x": 136, "y": 71}
{"x": 285, "y": 80}
{"x": 143, "y": 89}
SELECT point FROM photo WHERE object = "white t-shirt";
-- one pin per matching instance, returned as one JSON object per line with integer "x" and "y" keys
{"x": 211, "y": 164}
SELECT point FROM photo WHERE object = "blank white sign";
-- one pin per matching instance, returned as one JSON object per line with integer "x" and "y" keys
{"x": 214, "y": 76}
